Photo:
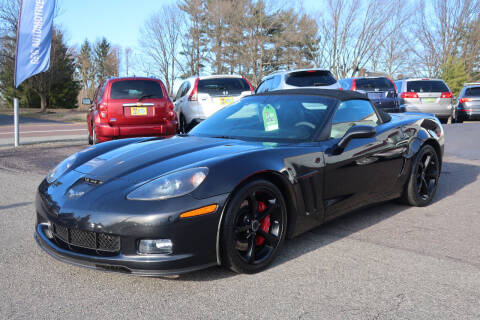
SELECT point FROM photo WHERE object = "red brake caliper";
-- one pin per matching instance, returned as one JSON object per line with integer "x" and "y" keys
{"x": 265, "y": 225}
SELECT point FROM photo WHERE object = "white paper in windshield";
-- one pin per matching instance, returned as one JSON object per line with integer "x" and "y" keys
{"x": 270, "y": 120}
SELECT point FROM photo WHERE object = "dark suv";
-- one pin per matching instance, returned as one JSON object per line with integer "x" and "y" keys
{"x": 130, "y": 107}
{"x": 468, "y": 105}
{"x": 380, "y": 90}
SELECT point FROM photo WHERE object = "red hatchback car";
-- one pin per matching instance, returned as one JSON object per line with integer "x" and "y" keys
{"x": 130, "y": 107}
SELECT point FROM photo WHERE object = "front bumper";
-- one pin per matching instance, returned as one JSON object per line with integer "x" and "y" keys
{"x": 440, "y": 111}
{"x": 194, "y": 239}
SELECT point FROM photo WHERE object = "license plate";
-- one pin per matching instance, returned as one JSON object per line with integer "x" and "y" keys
{"x": 375, "y": 95}
{"x": 138, "y": 111}
{"x": 428, "y": 100}
{"x": 225, "y": 100}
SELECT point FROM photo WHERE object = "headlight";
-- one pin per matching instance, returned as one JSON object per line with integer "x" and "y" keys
{"x": 61, "y": 168}
{"x": 170, "y": 186}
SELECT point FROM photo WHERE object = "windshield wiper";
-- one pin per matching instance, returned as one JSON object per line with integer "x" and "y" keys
{"x": 146, "y": 96}
{"x": 222, "y": 137}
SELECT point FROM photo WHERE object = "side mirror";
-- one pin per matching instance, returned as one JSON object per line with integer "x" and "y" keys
{"x": 355, "y": 132}
{"x": 86, "y": 101}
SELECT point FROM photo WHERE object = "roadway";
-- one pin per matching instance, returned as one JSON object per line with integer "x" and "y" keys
{"x": 36, "y": 130}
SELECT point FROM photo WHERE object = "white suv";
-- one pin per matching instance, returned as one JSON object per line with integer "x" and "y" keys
{"x": 302, "y": 78}
{"x": 200, "y": 97}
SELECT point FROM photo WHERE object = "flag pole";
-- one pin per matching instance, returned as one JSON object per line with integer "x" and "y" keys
{"x": 16, "y": 129}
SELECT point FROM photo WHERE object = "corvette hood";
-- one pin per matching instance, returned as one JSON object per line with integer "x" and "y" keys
{"x": 141, "y": 161}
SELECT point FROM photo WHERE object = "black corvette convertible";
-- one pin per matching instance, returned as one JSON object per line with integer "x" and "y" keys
{"x": 264, "y": 169}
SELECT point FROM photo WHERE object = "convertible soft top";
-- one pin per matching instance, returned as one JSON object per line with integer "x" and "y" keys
{"x": 337, "y": 94}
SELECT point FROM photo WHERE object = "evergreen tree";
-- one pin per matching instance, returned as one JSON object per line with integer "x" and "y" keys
{"x": 56, "y": 86}
{"x": 86, "y": 69}
{"x": 454, "y": 74}
{"x": 194, "y": 44}
{"x": 101, "y": 52}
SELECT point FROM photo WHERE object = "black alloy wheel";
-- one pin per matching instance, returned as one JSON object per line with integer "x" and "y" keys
{"x": 254, "y": 226}
{"x": 424, "y": 176}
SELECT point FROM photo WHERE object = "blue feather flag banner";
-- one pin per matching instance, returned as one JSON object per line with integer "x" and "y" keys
{"x": 34, "y": 38}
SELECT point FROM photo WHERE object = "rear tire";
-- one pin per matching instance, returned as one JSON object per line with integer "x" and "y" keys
{"x": 254, "y": 227}
{"x": 94, "y": 135}
{"x": 443, "y": 120}
{"x": 424, "y": 175}
{"x": 183, "y": 124}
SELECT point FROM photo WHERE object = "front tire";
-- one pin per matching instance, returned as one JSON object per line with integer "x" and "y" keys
{"x": 254, "y": 227}
{"x": 424, "y": 175}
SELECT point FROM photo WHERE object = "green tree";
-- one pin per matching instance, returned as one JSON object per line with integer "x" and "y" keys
{"x": 86, "y": 69}
{"x": 454, "y": 74}
{"x": 194, "y": 42}
{"x": 101, "y": 52}
{"x": 56, "y": 87}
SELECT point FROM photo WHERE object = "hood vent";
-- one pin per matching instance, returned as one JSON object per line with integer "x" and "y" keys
{"x": 92, "y": 181}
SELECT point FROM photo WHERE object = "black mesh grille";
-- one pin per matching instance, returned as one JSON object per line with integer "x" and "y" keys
{"x": 107, "y": 241}
{"x": 83, "y": 239}
{"x": 61, "y": 232}
{"x": 87, "y": 239}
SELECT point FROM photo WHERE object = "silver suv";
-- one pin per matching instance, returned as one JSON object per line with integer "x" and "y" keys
{"x": 200, "y": 97}
{"x": 304, "y": 78}
{"x": 425, "y": 95}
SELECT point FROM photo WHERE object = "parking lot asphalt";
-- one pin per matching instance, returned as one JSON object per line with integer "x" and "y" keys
{"x": 389, "y": 261}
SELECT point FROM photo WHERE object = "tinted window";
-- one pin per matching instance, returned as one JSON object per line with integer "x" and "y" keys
{"x": 374, "y": 84}
{"x": 263, "y": 87}
{"x": 427, "y": 86}
{"x": 180, "y": 91}
{"x": 398, "y": 84}
{"x": 472, "y": 92}
{"x": 101, "y": 92}
{"x": 186, "y": 88}
{"x": 350, "y": 113}
{"x": 223, "y": 86}
{"x": 135, "y": 89}
{"x": 275, "y": 82}
{"x": 312, "y": 78}
{"x": 346, "y": 84}
{"x": 268, "y": 118}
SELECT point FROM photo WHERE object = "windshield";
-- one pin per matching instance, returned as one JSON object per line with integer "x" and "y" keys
{"x": 472, "y": 92}
{"x": 269, "y": 118}
{"x": 426, "y": 86}
{"x": 223, "y": 86}
{"x": 135, "y": 89}
{"x": 310, "y": 78}
{"x": 374, "y": 84}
